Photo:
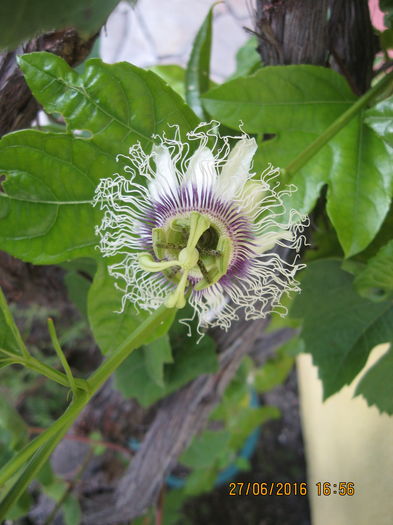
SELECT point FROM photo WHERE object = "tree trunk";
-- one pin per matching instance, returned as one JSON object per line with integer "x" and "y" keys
{"x": 331, "y": 33}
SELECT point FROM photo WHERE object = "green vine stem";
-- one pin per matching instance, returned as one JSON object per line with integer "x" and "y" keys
{"x": 62, "y": 357}
{"x": 43, "y": 369}
{"x": 11, "y": 324}
{"x": 55, "y": 432}
{"x": 337, "y": 126}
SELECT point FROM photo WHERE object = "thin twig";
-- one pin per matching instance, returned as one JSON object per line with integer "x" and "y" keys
{"x": 89, "y": 441}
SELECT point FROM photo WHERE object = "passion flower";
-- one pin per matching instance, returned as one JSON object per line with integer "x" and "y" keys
{"x": 200, "y": 228}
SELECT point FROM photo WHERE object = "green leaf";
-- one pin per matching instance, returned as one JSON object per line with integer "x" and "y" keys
{"x": 205, "y": 449}
{"x": 157, "y": 354}
{"x": 359, "y": 192}
{"x": 119, "y": 104}
{"x": 109, "y": 324}
{"x": 174, "y": 75}
{"x": 198, "y": 67}
{"x": 377, "y": 386}
{"x": 49, "y": 219}
{"x": 341, "y": 330}
{"x": 296, "y": 104}
{"x": 279, "y": 98}
{"x": 77, "y": 290}
{"x": 56, "y": 489}
{"x": 78, "y": 277}
{"x": 189, "y": 360}
{"x": 72, "y": 511}
{"x": 21, "y": 19}
{"x": 45, "y": 210}
{"x": 21, "y": 508}
{"x": 380, "y": 119}
{"x": 248, "y": 60}
{"x": 386, "y": 39}
{"x": 387, "y": 7}
{"x": 248, "y": 420}
{"x": 375, "y": 281}
{"x": 200, "y": 481}
{"x": 273, "y": 373}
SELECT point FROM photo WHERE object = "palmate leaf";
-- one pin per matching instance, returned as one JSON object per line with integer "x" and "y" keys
{"x": 21, "y": 19}
{"x": 376, "y": 386}
{"x": 340, "y": 330}
{"x": 296, "y": 104}
{"x": 45, "y": 209}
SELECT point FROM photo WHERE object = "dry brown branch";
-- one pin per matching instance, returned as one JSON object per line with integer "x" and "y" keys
{"x": 180, "y": 417}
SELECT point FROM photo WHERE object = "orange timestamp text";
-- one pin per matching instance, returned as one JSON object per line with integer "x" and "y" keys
{"x": 278, "y": 488}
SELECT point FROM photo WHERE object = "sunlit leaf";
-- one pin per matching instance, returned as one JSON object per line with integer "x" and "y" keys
{"x": 119, "y": 104}
{"x": 359, "y": 192}
{"x": 174, "y": 75}
{"x": 45, "y": 209}
{"x": 248, "y": 60}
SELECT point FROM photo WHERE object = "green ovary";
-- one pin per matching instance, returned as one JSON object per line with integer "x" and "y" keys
{"x": 188, "y": 247}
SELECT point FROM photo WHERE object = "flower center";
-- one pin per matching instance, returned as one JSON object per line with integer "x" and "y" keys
{"x": 190, "y": 251}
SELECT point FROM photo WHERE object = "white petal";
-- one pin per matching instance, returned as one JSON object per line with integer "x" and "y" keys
{"x": 235, "y": 172}
{"x": 267, "y": 241}
{"x": 201, "y": 171}
{"x": 165, "y": 181}
{"x": 251, "y": 197}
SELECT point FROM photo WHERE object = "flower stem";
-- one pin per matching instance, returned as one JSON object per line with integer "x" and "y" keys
{"x": 337, "y": 126}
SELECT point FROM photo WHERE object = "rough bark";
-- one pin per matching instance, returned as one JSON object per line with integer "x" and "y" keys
{"x": 352, "y": 43}
{"x": 331, "y": 33}
{"x": 292, "y": 31}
